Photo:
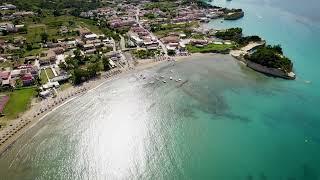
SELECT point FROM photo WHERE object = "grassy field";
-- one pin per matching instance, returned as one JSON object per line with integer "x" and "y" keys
{"x": 65, "y": 86}
{"x": 43, "y": 77}
{"x": 50, "y": 73}
{"x": 165, "y": 29}
{"x": 34, "y": 32}
{"x": 5, "y": 64}
{"x": 19, "y": 102}
{"x": 210, "y": 48}
{"x": 10, "y": 63}
{"x": 51, "y": 25}
{"x": 34, "y": 52}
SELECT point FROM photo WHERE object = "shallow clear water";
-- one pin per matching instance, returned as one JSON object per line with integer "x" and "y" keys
{"x": 225, "y": 122}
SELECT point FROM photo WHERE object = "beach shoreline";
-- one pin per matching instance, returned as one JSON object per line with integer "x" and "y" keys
{"x": 17, "y": 127}
{"x": 31, "y": 117}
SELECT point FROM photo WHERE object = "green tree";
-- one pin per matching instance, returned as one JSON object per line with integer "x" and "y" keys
{"x": 105, "y": 62}
{"x": 29, "y": 46}
{"x": 38, "y": 81}
{"x": 44, "y": 36}
{"x": 171, "y": 52}
{"x": 63, "y": 66}
{"x": 38, "y": 90}
{"x": 79, "y": 75}
{"x": 56, "y": 12}
{"x": 93, "y": 69}
{"x": 19, "y": 83}
{"x": 71, "y": 63}
{"x": 71, "y": 23}
{"x": 16, "y": 21}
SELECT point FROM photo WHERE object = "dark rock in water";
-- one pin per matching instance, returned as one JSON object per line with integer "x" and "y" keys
{"x": 234, "y": 15}
{"x": 237, "y": 117}
{"x": 249, "y": 177}
{"x": 291, "y": 178}
{"x": 263, "y": 176}
{"x": 186, "y": 112}
{"x": 309, "y": 173}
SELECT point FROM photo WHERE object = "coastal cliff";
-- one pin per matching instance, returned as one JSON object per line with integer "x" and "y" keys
{"x": 270, "y": 71}
{"x": 234, "y": 15}
{"x": 270, "y": 60}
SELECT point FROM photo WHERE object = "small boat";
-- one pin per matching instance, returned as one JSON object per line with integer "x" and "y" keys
{"x": 179, "y": 79}
{"x": 170, "y": 78}
{"x": 164, "y": 81}
{"x": 162, "y": 76}
{"x": 151, "y": 82}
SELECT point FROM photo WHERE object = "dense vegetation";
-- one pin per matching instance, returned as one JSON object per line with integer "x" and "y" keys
{"x": 162, "y": 30}
{"x": 235, "y": 34}
{"x": 199, "y": 3}
{"x": 230, "y": 34}
{"x": 269, "y": 56}
{"x": 83, "y": 68}
{"x": 272, "y": 57}
{"x": 166, "y": 6}
{"x": 166, "y": 27}
{"x": 57, "y": 5}
{"x": 145, "y": 54}
{"x": 211, "y": 48}
{"x": 233, "y": 14}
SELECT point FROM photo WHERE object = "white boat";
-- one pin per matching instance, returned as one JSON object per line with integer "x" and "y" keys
{"x": 164, "y": 81}
{"x": 170, "y": 78}
{"x": 162, "y": 76}
{"x": 179, "y": 79}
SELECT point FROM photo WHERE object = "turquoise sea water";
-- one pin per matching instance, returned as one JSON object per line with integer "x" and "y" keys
{"x": 222, "y": 122}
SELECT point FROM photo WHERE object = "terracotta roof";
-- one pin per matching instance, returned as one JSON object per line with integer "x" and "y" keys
{"x": 171, "y": 39}
{"x": 4, "y": 74}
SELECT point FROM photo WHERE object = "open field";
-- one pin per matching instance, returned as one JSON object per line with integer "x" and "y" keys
{"x": 34, "y": 33}
{"x": 51, "y": 25}
{"x": 34, "y": 52}
{"x": 10, "y": 63}
{"x": 210, "y": 48}
{"x": 50, "y": 73}
{"x": 43, "y": 77}
{"x": 65, "y": 86}
{"x": 18, "y": 102}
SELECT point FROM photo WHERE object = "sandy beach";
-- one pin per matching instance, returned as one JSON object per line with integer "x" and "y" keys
{"x": 40, "y": 110}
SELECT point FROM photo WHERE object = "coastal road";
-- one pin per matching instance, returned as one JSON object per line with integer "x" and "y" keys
{"x": 122, "y": 43}
{"x": 114, "y": 45}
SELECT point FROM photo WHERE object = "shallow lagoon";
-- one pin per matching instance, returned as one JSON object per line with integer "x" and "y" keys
{"x": 219, "y": 122}
{"x": 225, "y": 122}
